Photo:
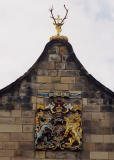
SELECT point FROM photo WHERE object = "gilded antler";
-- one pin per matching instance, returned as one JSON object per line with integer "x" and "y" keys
{"x": 52, "y": 16}
{"x": 58, "y": 22}
{"x": 65, "y": 14}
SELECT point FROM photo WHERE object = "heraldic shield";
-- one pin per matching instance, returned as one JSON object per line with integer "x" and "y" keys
{"x": 58, "y": 126}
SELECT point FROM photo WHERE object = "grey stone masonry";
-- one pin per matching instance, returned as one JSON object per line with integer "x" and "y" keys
{"x": 57, "y": 70}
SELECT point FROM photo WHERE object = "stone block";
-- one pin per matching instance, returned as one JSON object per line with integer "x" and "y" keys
{"x": 65, "y": 58}
{"x": 98, "y": 115}
{"x": 97, "y": 138}
{"x": 21, "y": 137}
{"x": 105, "y": 123}
{"x": 42, "y": 72}
{"x": 106, "y": 108}
{"x": 7, "y": 120}
{"x": 10, "y": 128}
{"x": 89, "y": 147}
{"x": 67, "y": 79}
{"x": 51, "y": 65}
{"x": 28, "y": 113}
{"x": 87, "y": 138}
{"x": 6, "y": 153}
{"x": 85, "y": 155}
{"x": 111, "y": 155}
{"x": 26, "y": 106}
{"x": 87, "y": 116}
{"x": 5, "y": 113}
{"x": 63, "y": 50}
{"x": 104, "y": 147}
{"x": 26, "y": 145}
{"x": 5, "y": 158}
{"x": 16, "y": 113}
{"x": 24, "y": 153}
{"x": 71, "y": 66}
{"x": 75, "y": 87}
{"x": 55, "y": 79}
{"x": 54, "y": 50}
{"x": 9, "y": 145}
{"x": 28, "y": 128}
{"x": 99, "y": 155}
{"x": 109, "y": 115}
{"x": 55, "y": 58}
{"x": 22, "y": 158}
{"x": 58, "y": 86}
{"x": 45, "y": 86}
{"x": 68, "y": 73}
{"x": 44, "y": 79}
{"x": 52, "y": 72}
{"x": 33, "y": 99}
{"x": 26, "y": 120}
{"x": 60, "y": 65}
{"x": 84, "y": 101}
{"x": 61, "y": 155}
{"x": 92, "y": 108}
{"x": 40, "y": 154}
{"x": 4, "y": 137}
{"x": 112, "y": 138}
{"x": 40, "y": 100}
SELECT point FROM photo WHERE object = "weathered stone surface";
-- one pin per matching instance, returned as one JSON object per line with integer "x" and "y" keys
{"x": 61, "y": 155}
{"x": 8, "y": 145}
{"x": 58, "y": 86}
{"x": 40, "y": 154}
{"x": 68, "y": 73}
{"x": 10, "y": 128}
{"x": 28, "y": 113}
{"x": 4, "y": 137}
{"x": 5, "y": 158}
{"x": 56, "y": 71}
{"x": 92, "y": 108}
{"x": 54, "y": 57}
{"x": 67, "y": 79}
{"x": 97, "y": 138}
{"x": 5, "y": 113}
{"x": 99, "y": 155}
{"x": 111, "y": 155}
{"x": 21, "y": 137}
{"x": 60, "y": 65}
{"x": 6, "y": 153}
{"x": 26, "y": 145}
{"x": 7, "y": 120}
{"x": 52, "y": 72}
{"x": 28, "y": 128}
{"x": 44, "y": 79}
{"x": 71, "y": 65}
{"x": 16, "y": 113}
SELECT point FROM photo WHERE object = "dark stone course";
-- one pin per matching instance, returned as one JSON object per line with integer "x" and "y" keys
{"x": 27, "y": 106}
{"x": 84, "y": 95}
{"x": 106, "y": 108}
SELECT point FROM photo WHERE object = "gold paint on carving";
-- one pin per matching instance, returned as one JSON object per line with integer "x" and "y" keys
{"x": 40, "y": 106}
{"x": 72, "y": 126}
{"x": 58, "y": 23}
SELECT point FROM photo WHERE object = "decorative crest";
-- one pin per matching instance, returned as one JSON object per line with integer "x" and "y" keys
{"x": 58, "y": 22}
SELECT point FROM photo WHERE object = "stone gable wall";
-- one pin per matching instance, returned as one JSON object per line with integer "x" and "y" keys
{"x": 56, "y": 71}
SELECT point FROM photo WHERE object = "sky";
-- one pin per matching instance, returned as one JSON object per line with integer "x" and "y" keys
{"x": 26, "y": 26}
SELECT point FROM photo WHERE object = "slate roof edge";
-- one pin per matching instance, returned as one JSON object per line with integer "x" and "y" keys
{"x": 69, "y": 47}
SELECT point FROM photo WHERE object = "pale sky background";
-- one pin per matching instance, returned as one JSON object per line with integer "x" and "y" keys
{"x": 25, "y": 28}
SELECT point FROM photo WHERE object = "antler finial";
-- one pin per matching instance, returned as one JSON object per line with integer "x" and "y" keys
{"x": 58, "y": 22}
